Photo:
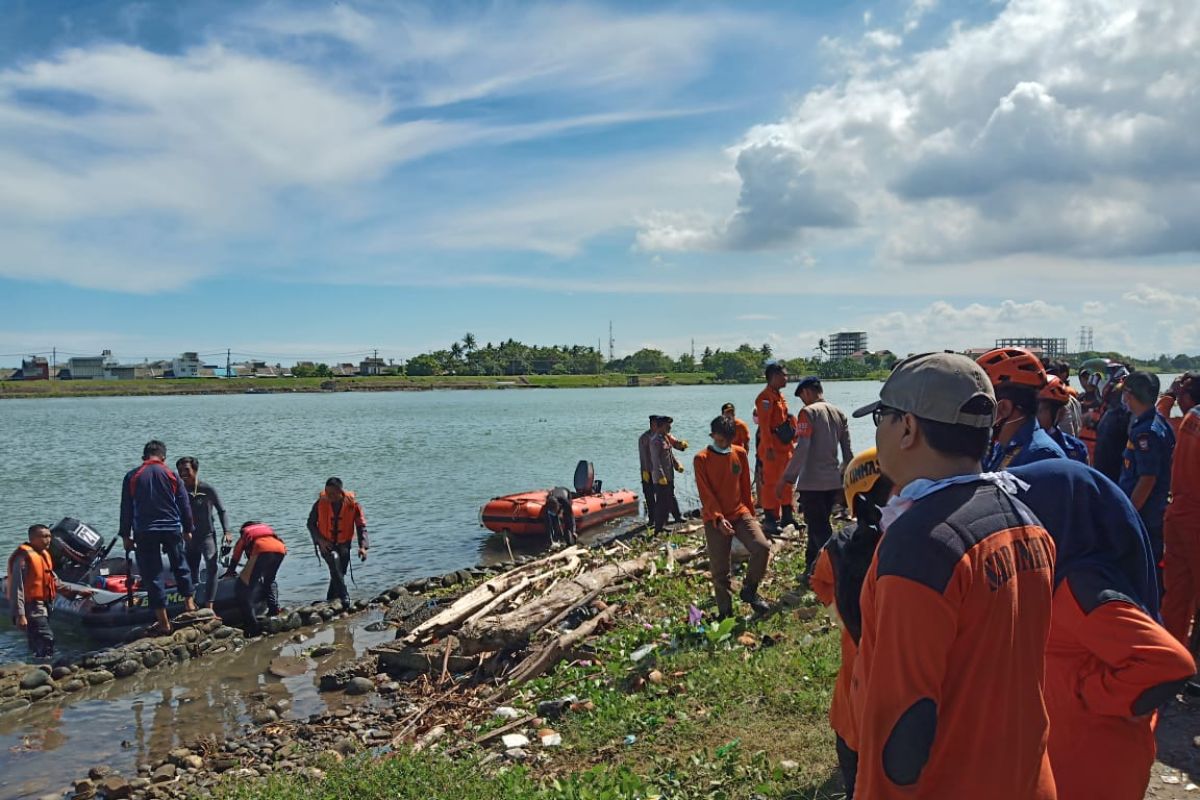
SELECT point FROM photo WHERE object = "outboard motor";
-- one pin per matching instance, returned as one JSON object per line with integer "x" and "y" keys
{"x": 585, "y": 479}
{"x": 76, "y": 548}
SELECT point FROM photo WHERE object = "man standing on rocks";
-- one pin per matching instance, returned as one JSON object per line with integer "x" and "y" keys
{"x": 949, "y": 683}
{"x": 203, "y": 542}
{"x": 333, "y": 522}
{"x": 32, "y": 587}
{"x": 156, "y": 518}
{"x": 814, "y": 469}
{"x": 264, "y": 555}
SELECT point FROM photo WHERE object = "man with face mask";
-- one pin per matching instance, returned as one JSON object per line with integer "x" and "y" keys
{"x": 1018, "y": 439}
{"x": 1113, "y": 425}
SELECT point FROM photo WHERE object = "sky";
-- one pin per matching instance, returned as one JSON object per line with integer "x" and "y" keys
{"x": 300, "y": 180}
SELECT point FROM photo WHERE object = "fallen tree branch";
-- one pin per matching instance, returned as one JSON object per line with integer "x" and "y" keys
{"x": 545, "y": 657}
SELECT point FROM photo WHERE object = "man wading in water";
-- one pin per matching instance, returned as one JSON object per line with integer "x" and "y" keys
{"x": 203, "y": 542}
{"x": 332, "y": 523}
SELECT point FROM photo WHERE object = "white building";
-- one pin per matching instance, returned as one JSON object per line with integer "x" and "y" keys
{"x": 846, "y": 343}
{"x": 90, "y": 367}
{"x": 187, "y": 365}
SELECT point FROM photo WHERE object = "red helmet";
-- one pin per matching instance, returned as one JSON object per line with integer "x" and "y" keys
{"x": 1011, "y": 365}
{"x": 1055, "y": 391}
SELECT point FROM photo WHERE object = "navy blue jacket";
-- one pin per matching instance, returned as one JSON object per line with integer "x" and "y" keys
{"x": 1030, "y": 445}
{"x": 154, "y": 500}
{"x": 1148, "y": 451}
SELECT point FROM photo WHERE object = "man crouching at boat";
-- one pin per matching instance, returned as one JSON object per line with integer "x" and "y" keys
{"x": 264, "y": 555}
{"x": 156, "y": 518}
{"x": 723, "y": 480}
{"x": 32, "y": 587}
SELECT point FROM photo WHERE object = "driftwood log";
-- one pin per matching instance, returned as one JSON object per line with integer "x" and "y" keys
{"x": 512, "y": 629}
{"x": 549, "y": 654}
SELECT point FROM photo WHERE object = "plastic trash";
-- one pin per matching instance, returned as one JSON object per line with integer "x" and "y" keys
{"x": 630, "y": 739}
{"x": 642, "y": 652}
{"x": 506, "y": 712}
{"x": 514, "y": 740}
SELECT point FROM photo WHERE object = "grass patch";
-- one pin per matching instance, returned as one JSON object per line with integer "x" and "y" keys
{"x": 703, "y": 715}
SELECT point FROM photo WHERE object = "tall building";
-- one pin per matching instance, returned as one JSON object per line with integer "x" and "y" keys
{"x": 1043, "y": 348}
{"x": 845, "y": 344}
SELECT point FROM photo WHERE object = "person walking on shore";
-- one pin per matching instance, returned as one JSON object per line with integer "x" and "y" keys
{"x": 156, "y": 519}
{"x": 334, "y": 520}
{"x": 741, "y": 431}
{"x": 663, "y": 466}
{"x": 723, "y": 482}
{"x": 646, "y": 464}
{"x": 265, "y": 552}
{"x": 203, "y": 542}
{"x": 32, "y": 587}
{"x": 814, "y": 470}
{"x": 948, "y": 683}
{"x": 776, "y": 433}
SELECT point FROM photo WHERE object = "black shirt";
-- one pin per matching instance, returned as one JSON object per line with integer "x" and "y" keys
{"x": 204, "y": 499}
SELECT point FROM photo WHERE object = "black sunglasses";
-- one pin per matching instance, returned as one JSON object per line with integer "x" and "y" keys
{"x": 884, "y": 411}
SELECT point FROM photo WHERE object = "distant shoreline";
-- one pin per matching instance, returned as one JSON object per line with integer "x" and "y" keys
{"x": 165, "y": 387}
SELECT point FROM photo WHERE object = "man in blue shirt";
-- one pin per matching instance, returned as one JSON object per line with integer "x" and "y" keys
{"x": 1146, "y": 468}
{"x": 1053, "y": 401}
{"x": 156, "y": 518}
{"x": 1017, "y": 376}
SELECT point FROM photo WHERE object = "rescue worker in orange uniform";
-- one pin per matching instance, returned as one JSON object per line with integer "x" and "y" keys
{"x": 1179, "y": 394}
{"x": 1181, "y": 523}
{"x": 264, "y": 555}
{"x": 776, "y": 433}
{"x": 948, "y": 682}
{"x": 837, "y": 581}
{"x": 741, "y": 431}
{"x": 32, "y": 587}
{"x": 1109, "y": 663}
{"x": 333, "y": 521}
{"x": 723, "y": 481}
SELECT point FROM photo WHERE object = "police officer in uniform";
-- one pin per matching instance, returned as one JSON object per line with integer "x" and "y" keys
{"x": 1146, "y": 467}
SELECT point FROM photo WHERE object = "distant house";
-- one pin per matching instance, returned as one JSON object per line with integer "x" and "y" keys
{"x": 372, "y": 366}
{"x": 188, "y": 365}
{"x": 91, "y": 368}
{"x": 859, "y": 355}
{"x": 34, "y": 368}
{"x": 344, "y": 370}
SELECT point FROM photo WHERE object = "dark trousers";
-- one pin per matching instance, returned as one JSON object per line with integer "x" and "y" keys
{"x": 665, "y": 505}
{"x": 257, "y": 577}
{"x": 719, "y": 546}
{"x": 649, "y": 493}
{"x": 848, "y": 764}
{"x": 338, "y": 561}
{"x": 203, "y": 550}
{"x": 561, "y": 527}
{"x": 40, "y": 636}
{"x": 817, "y": 507}
{"x": 150, "y": 548}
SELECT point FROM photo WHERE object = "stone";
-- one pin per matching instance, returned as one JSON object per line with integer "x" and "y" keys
{"x": 100, "y": 772}
{"x": 126, "y": 668}
{"x": 99, "y": 676}
{"x": 346, "y": 746}
{"x": 193, "y": 762}
{"x": 450, "y": 579}
{"x": 322, "y": 650}
{"x": 60, "y": 672}
{"x": 73, "y": 685}
{"x": 116, "y": 788}
{"x": 34, "y": 679}
{"x": 163, "y": 774}
{"x": 177, "y": 755}
{"x": 516, "y": 754}
{"x": 327, "y": 613}
{"x": 464, "y": 576}
{"x": 292, "y": 621}
{"x": 264, "y": 716}
{"x": 153, "y": 658}
{"x": 360, "y": 685}
{"x": 224, "y": 632}
{"x": 419, "y": 585}
{"x": 138, "y": 784}
{"x": 224, "y": 764}
{"x": 40, "y": 692}
{"x": 204, "y": 645}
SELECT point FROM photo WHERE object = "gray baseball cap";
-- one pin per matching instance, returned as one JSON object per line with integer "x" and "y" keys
{"x": 936, "y": 386}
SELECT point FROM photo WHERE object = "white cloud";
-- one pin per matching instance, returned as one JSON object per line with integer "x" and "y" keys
{"x": 1059, "y": 127}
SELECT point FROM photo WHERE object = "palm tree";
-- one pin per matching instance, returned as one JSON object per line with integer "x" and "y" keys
{"x": 456, "y": 351}
{"x": 822, "y": 348}
{"x": 469, "y": 343}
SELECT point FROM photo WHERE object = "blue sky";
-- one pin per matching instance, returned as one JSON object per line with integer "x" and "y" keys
{"x": 312, "y": 180}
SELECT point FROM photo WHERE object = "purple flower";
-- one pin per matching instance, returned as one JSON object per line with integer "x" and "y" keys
{"x": 694, "y": 615}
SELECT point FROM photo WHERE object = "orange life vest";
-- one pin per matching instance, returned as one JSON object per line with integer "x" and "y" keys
{"x": 40, "y": 585}
{"x": 345, "y": 520}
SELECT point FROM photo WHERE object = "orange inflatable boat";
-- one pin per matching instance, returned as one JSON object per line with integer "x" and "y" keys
{"x": 522, "y": 513}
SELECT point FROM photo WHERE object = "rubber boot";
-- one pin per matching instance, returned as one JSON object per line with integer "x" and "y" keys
{"x": 749, "y": 594}
{"x": 770, "y": 524}
{"x": 724, "y": 610}
{"x": 788, "y": 517}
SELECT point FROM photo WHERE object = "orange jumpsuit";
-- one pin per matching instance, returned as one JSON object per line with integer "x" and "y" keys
{"x": 841, "y": 717}
{"x": 1181, "y": 532}
{"x": 741, "y": 435}
{"x": 773, "y": 454}
{"x": 948, "y": 683}
{"x": 1107, "y": 671}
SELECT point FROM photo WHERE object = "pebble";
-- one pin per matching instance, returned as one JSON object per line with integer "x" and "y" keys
{"x": 360, "y": 686}
{"x": 153, "y": 658}
{"x": 516, "y": 753}
{"x": 322, "y": 650}
{"x": 126, "y": 668}
{"x": 99, "y": 676}
{"x": 193, "y": 762}
{"x": 163, "y": 774}
{"x": 116, "y": 788}
{"x": 264, "y": 716}
{"x": 73, "y": 685}
{"x": 60, "y": 672}
{"x": 40, "y": 692}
